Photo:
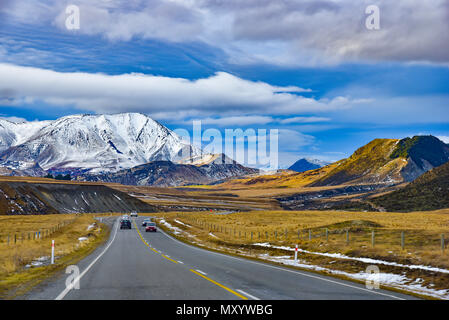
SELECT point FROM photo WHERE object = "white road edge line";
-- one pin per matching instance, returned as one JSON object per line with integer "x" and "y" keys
{"x": 247, "y": 294}
{"x": 180, "y": 262}
{"x": 77, "y": 279}
{"x": 284, "y": 269}
{"x": 202, "y": 272}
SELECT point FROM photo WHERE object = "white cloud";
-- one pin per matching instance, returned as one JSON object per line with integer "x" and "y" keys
{"x": 445, "y": 139}
{"x": 221, "y": 94}
{"x": 289, "y": 32}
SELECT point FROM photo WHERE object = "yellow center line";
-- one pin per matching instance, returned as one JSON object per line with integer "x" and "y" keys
{"x": 169, "y": 259}
{"x": 220, "y": 285}
{"x": 197, "y": 273}
{"x": 143, "y": 240}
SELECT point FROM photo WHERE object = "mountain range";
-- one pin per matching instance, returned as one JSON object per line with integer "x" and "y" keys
{"x": 129, "y": 148}
{"x": 89, "y": 143}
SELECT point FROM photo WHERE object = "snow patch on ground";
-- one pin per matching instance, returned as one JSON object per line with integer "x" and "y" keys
{"x": 83, "y": 239}
{"x": 361, "y": 259}
{"x": 91, "y": 227}
{"x": 387, "y": 279}
{"x": 175, "y": 230}
{"x": 180, "y": 222}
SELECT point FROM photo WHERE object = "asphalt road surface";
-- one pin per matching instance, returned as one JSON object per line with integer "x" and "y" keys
{"x": 137, "y": 265}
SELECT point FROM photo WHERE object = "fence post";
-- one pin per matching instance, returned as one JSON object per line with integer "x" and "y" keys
{"x": 276, "y": 235}
{"x": 8, "y": 239}
{"x": 372, "y": 238}
{"x": 15, "y": 238}
{"x": 251, "y": 236}
{"x": 299, "y": 234}
{"x": 402, "y": 240}
{"x": 266, "y": 235}
{"x": 347, "y": 237}
{"x": 286, "y": 234}
{"x": 327, "y": 235}
{"x": 442, "y": 242}
{"x": 310, "y": 234}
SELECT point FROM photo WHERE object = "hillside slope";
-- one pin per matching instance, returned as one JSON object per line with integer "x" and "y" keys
{"x": 389, "y": 161}
{"x": 21, "y": 198}
{"x": 428, "y": 192}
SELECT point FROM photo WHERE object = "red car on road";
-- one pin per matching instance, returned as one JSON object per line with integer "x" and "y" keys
{"x": 151, "y": 227}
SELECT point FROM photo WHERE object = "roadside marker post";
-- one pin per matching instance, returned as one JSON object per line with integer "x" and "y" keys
{"x": 296, "y": 254}
{"x": 52, "y": 251}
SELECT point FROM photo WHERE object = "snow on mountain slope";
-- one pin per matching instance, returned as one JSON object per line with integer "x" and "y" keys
{"x": 95, "y": 143}
{"x": 12, "y": 133}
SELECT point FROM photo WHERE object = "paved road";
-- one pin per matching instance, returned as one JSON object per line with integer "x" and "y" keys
{"x": 139, "y": 265}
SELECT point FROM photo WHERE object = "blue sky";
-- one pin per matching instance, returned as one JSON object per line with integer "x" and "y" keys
{"x": 310, "y": 69}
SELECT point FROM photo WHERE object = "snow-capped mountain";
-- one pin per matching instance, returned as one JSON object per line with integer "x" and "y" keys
{"x": 93, "y": 143}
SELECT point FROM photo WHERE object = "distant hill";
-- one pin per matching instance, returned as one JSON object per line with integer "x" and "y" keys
{"x": 305, "y": 164}
{"x": 428, "y": 192}
{"x": 389, "y": 161}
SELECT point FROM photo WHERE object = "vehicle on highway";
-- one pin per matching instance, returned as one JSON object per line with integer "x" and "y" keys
{"x": 145, "y": 222}
{"x": 134, "y": 214}
{"x": 125, "y": 224}
{"x": 151, "y": 227}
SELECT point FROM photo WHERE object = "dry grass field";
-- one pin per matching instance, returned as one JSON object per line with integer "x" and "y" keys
{"x": 14, "y": 276}
{"x": 345, "y": 233}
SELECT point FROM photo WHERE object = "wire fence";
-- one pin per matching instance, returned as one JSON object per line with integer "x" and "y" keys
{"x": 32, "y": 235}
{"x": 363, "y": 237}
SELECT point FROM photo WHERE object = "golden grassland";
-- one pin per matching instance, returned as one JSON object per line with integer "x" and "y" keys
{"x": 14, "y": 277}
{"x": 232, "y": 234}
{"x": 422, "y": 231}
